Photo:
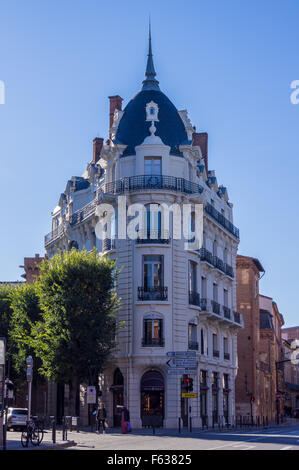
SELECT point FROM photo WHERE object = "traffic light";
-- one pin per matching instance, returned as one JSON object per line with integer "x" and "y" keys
{"x": 252, "y": 398}
{"x": 189, "y": 384}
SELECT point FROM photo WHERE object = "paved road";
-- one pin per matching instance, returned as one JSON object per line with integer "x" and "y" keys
{"x": 279, "y": 438}
{"x": 285, "y": 438}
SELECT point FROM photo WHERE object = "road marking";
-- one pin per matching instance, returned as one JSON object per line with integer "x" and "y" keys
{"x": 246, "y": 446}
{"x": 286, "y": 448}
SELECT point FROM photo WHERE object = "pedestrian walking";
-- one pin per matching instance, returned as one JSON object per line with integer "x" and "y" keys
{"x": 125, "y": 421}
{"x": 101, "y": 418}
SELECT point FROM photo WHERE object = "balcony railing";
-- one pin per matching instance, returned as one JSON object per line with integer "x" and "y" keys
{"x": 215, "y": 307}
{"x": 215, "y": 353}
{"x": 152, "y": 293}
{"x": 109, "y": 244}
{"x": 153, "y": 342}
{"x": 194, "y": 298}
{"x": 53, "y": 235}
{"x": 226, "y": 356}
{"x": 193, "y": 345}
{"x": 237, "y": 317}
{"x": 222, "y": 220}
{"x": 153, "y": 236}
{"x": 229, "y": 270}
{"x": 83, "y": 213}
{"x": 143, "y": 182}
{"x": 203, "y": 304}
{"x": 226, "y": 312}
{"x": 206, "y": 255}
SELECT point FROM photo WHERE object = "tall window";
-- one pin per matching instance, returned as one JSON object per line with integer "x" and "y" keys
{"x": 215, "y": 345}
{"x": 202, "y": 342}
{"x": 152, "y": 272}
{"x": 153, "y": 332}
{"x": 153, "y": 221}
{"x": 153, "y": 166}
{"x": 192, "y": 336}
{"x": 225, "y": 297}
{"x": 192, "y": 276}
{"x": 225, "y": 348}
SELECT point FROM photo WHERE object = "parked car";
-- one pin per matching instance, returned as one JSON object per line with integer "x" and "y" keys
{"x": 17, "y": 418}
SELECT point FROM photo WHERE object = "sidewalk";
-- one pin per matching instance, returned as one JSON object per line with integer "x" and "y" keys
{"x": 90, "y": 440}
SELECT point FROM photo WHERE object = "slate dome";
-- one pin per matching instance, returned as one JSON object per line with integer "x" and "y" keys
{"x": 133, "y": 127}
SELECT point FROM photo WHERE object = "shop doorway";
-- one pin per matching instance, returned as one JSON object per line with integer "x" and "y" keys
{"x": 152, "y": 399}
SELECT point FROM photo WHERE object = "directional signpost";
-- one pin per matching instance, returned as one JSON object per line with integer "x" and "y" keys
{"x": 182, "y": 362}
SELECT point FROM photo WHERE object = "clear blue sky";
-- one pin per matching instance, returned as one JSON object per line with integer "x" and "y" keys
{"x": 230, "y": 63}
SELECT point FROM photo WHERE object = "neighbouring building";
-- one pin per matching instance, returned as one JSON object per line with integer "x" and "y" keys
{"x": 31, "y": 268}
{"x": 291, "y": 371}
{"x": 173, "y": 299}
{"x": 260, "y": 380}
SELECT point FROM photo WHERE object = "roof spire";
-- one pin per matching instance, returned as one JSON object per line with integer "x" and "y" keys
{"x": 150, "y": 83}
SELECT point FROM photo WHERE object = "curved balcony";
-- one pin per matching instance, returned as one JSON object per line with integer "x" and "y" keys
{"x": 194, "y": 298}
{"x": 152, "y": 182}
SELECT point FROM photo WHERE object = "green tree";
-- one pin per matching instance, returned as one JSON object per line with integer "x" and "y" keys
{"x": 77, "y": 329}
{"x": 25, "y": 313}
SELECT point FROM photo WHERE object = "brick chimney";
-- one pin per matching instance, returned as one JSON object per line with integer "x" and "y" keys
{"x": 115, "y": 103}
{"x": 201, "y": 139}
{"x": 97, "y": 148}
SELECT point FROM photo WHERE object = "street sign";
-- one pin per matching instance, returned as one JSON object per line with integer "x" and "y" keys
{"x": 182, "y": 362}
{"x": 182, "y": 371}
{"x": 278, "y": 395}
{"x": 189, "y": 395}
{"x": 182, "y": 353}
{"x": 91, "y": 395}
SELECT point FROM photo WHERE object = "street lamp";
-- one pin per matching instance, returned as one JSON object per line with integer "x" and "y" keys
{"x": 29, "y": 375}
{"x": 2, "y": 387}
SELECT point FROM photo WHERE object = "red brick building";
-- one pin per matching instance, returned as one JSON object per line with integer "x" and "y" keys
{"x": 260, "y": 373}
{"x": 31, "y": 268}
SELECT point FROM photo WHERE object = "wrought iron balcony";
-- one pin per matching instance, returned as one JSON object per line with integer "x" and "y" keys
{"x": 203, "y": 304}
{"x": 193, "y": 345}
{"x": 153, "y": 236}
{"x": 109, "y": 244}
{"x": 153, "y": 342}
{"x": 215, "y": 307}
{"x": 144, "y": 182}
{"x": 83, "y": 213}
{"x": 206, "y": 255}
{"x": 226, "y": 356}
{"x": 50, "y": 237}
{"x": 237, "y": 317}
{"x": 226, "y": 312}
{"x": 222, "y": 220}
{"x": 229, "y": 270}
{"x": 194, "y": 298}
{"x": 215, "y": 353}
{"x": 218, "y": 263}
{"x": 153, "y": 293}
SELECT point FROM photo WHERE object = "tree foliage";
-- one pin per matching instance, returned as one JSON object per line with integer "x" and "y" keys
{"x": 78, "y": 304}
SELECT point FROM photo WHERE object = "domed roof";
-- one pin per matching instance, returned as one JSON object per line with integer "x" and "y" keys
{"x": 133, "y": 127}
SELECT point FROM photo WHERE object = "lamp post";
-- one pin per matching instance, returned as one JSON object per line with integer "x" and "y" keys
{"x": 29, "y": 375}
{"x": 2, "y": 387}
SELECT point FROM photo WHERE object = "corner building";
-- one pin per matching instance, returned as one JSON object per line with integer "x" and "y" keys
{"x": 173, "y": 298}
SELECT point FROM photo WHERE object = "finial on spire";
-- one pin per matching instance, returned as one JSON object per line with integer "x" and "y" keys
{"x": 150, "y": 83}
